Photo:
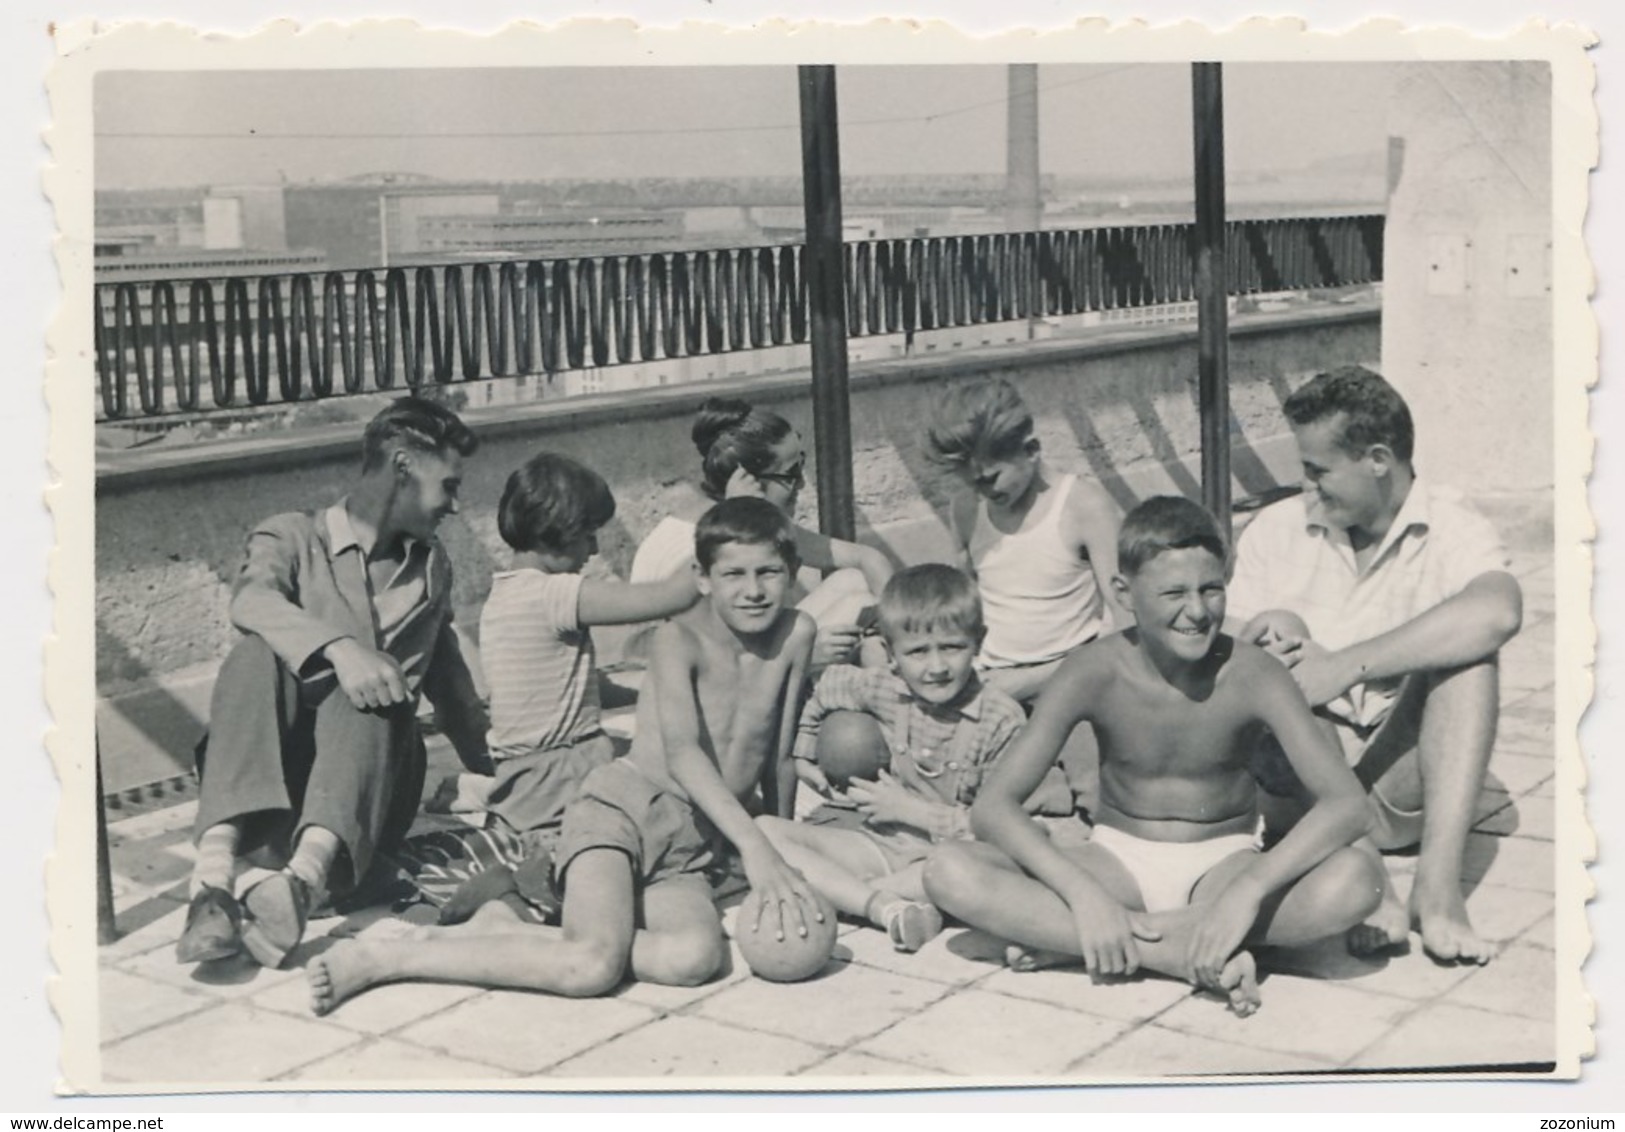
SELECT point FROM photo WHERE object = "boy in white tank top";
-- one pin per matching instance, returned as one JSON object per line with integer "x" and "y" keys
{"x": 1043, "y": 549}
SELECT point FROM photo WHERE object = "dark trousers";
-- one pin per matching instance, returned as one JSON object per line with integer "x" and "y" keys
{"x": 284, "y": 753}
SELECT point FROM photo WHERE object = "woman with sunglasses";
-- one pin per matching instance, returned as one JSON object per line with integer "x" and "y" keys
{"x": 754, "y": 451}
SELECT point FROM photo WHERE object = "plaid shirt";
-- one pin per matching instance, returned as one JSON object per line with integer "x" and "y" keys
{"x": 1288, "y": 558}
{"x": 938, "y": 753}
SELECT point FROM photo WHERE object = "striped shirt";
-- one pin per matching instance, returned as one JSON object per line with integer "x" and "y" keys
{"x": 1288, "y": 558}
{"x": 539, "y": 662}
{"x": 938, "y": 753}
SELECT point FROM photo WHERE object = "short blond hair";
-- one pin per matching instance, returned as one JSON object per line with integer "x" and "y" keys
{"x": 921, "y": 598}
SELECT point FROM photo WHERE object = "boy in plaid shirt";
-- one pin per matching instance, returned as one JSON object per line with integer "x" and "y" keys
{"x": 941, "y": 728}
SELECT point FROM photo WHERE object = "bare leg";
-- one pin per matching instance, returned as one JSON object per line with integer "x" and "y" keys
{"x": 681, "y": 944}
{"x": 588, "y": 958}
{"x": 851, "y": 872}
{"x": 1443, "y": 777}
{"x": 494, "y": 918}
{"x": 980, "y": 885}
{"x": 986, "y": 889}
{"x": 908, "y": 883}
{"x": 841, "y": 864}
{"x": 1388, "y": 926}
{"x": 1429, "y": 756}
{"x": 1329, "y": 899}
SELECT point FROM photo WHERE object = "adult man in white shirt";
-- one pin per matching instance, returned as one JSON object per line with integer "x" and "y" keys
{"x": 1390, "y": 601}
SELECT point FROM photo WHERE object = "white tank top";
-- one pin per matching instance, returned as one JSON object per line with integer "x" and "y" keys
{"x": 1038, "y": 593}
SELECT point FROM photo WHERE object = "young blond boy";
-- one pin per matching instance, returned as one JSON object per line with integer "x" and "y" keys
{"x": 715, "y": 718}
{"x": 1174, "y": 878}
{"x": 942, "y": 729}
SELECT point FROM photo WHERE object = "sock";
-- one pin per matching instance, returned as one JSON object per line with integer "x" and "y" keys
{"x": 875, "y": 909}
{"x": 313, "y": 857}
{"x": 216, "y": 857}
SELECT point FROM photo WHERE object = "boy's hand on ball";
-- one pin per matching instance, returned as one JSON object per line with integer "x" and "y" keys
{"x": 786, "y": 898}
{"x": 884, "y": 799}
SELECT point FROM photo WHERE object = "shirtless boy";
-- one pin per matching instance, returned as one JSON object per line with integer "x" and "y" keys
{"x": 716, "y": 718}
{"x": 1174, "y": 879}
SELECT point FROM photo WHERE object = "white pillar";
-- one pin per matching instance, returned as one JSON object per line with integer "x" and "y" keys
{"x": 1467, "y": 303}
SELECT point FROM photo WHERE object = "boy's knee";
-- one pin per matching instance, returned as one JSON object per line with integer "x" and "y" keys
{"x": 696, "y": 958}
{"x": 1356, "y": 878}
{"x": 593, "y": 971}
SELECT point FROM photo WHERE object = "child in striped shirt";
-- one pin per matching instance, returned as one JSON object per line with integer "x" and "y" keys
{"x": 536, "y": 638}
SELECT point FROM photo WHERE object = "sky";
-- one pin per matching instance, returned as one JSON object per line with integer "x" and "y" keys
{"x": 182, "y": 128}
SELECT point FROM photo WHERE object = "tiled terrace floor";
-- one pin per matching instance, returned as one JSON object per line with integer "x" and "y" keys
{"x": 948, "y": 1012}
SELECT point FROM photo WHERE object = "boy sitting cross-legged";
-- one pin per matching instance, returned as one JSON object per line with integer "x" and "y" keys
{"x": 715, "y": 719}
{"x": 1173, "y": 879}
{"x": 941, "y": 729}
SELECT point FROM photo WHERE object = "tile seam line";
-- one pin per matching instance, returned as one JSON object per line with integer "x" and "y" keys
{"x": 356, "y": 1038}
{"x": 203, "y": 1004}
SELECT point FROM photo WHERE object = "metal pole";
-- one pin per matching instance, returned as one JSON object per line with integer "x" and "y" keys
{"x": 826, "y": 295}
{"x": 383, "y": 229}
{"x": 106, "y": 921}
{"x": 1212, "y": 299}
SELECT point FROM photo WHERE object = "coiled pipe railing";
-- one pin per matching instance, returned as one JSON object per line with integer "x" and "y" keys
{"x": 258, "y": 339}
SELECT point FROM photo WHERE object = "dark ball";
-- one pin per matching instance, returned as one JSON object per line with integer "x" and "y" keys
{"x": 851, "y": 745}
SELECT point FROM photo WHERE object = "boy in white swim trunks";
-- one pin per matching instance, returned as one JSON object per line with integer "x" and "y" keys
{"x": 1174, "y": 879}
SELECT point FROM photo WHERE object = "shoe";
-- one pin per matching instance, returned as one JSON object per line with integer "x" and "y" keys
{"x": 214, "y": 924}
{"x": 911, "y": 925}
{"x": 274, "y": 914}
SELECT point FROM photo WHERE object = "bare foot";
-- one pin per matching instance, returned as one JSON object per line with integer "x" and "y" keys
{"x": 1447, "y": 933}
{"x": 1239, "y": 980}
{"x": 1020, "y": 957}
{"x": 343, "y": 970}
{"x": 1389, "y": 926}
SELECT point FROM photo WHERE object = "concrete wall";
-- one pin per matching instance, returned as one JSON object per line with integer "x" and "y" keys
{"x": 1467, "y": 313}
{"x": 1119, "y": 407}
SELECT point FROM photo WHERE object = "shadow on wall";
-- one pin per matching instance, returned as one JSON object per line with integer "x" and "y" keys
{"x": 147, "y": 734}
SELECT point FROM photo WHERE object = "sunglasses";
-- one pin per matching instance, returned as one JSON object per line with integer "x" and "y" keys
{"x": 790, "y": 480}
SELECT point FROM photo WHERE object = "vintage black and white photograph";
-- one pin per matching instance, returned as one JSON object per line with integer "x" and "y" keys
{"x": 1048, "y": 564}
